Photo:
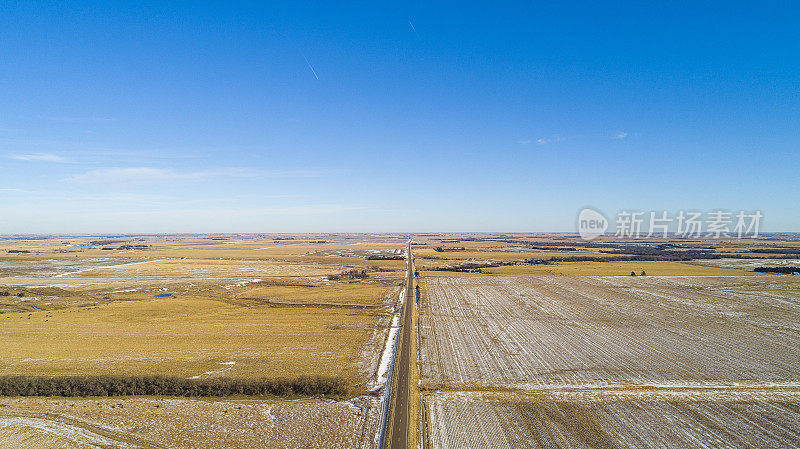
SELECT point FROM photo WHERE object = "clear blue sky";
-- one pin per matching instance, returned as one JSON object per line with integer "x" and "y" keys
{"x": 282, "y": 117}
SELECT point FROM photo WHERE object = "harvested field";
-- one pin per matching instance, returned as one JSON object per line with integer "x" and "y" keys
{"x": 537, "y": 332}
{"x": 652, "y": 268}
{"x": 748, "y": 264}
{"x": 187, "y": 423}
{"x": 159, "y": 272}
{"x": 602, "y": 361}
{"x": 25, "y": 432}
{"x": 514, "y": 422}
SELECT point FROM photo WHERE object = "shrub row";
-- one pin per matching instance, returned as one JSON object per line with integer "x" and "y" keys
{"x": 349, "y": 274}
{"x": 169, "y": 386}
{"x": 385, "y": 257}
{"x": 782, "y": 270}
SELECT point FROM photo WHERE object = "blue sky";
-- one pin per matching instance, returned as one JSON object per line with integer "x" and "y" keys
{"x": 299, "y": 117}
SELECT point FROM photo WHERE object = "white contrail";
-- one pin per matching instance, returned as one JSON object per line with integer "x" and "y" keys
{"x": 412, "y": 26}
{"x": 312, "y": 68}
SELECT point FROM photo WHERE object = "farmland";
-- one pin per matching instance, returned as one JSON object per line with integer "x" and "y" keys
{"x": 155, "y": 422}
{"x": 522, "y": 341}
{"x": 578, "y": 353}
{"x": 653, "y": 421}
{"x": 529, "y": 332}
{"x": 197, "y": 308}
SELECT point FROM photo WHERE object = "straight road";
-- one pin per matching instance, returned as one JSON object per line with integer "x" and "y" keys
{"x": 402, "y": 392}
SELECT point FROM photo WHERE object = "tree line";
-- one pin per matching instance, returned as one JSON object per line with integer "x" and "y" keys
{"x": 780, "y": 270}
{"x": 109, "y": 385}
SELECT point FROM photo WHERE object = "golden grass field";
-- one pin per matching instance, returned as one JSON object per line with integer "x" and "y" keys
{"x": 188, "y": 337}
{"x": 239, "y": 307}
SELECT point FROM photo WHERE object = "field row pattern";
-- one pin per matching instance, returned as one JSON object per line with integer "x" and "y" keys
{"x": 612, "y": 424}
{"x": 535, "y": 332}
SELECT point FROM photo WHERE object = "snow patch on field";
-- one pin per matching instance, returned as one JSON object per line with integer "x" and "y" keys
{"x": 241, "y": 283}
{"x": 61, "y": 430}
{"x": 389, "y": 349}
{"x": 105, "y": 268}
{"x": 388, "y": 353}
{"x": 229, "y": 365}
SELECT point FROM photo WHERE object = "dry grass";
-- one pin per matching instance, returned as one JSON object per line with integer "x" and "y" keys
{"x": 500, "y": 254}
{"x": 187, "y": 337}
{"x": 241, "y": 306}
{"x": 358, "y": 293}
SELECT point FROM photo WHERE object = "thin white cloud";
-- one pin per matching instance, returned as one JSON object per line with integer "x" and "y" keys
{"x": 546, "y": 140}
{"x": 315, "y": 209}
{"x": 13, "y": 190}
{"x": 38, "y": 157}
{"x": 621, "y": 135}
{"x": 310, "y": 67}
{"x": 79, "y": 119}
{"x": 131, "y": 174}
{"x": 153, "y": 174}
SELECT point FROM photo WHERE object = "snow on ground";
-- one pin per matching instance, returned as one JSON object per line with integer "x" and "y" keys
{"x": 241, "y": 283}
{"x": 105, "y": 267}
{"x": 389, "y": 349}
{"x": 228, "y": 366}
{"x": 55, "y": 433}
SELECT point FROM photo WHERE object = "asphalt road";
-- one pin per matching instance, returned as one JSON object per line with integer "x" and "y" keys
{"x": 400, "y": 413}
